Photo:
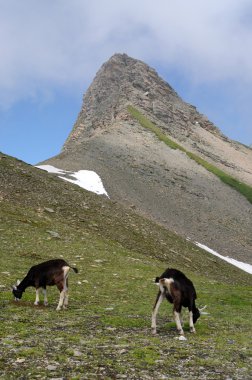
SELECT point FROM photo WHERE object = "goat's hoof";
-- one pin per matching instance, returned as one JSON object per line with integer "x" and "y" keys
{"x": 58, "y": 308}
{"x": 154, "y": 331}
{"x": 45, "y": 303}
{"x": 192, "y": 330}
{"x": 181, "y": 332}
{"x": 36, "y": 303}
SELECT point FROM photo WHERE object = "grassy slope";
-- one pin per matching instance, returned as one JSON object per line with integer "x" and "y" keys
{"x": 241, "y": 187}
{"x": 105, "y": 333}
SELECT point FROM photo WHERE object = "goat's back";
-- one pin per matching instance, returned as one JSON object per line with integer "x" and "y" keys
{"x": 183, "y": 283}
{"x": 47, "y": 273}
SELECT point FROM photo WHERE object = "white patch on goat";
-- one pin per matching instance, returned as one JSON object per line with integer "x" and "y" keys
{"x": 66, "y": 270}
{"x": 63, "y": 301}
{"x": 37, "y": 297}
{"x": 167, "y": 282}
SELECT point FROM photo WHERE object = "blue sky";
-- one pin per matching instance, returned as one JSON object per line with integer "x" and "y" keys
{"x": 51, "y": 50}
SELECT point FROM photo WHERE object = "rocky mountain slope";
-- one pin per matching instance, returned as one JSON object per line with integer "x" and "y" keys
{"x": 142, "y": 172}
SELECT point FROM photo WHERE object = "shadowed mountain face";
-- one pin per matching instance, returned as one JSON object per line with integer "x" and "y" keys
{"x": 141, "y": 171}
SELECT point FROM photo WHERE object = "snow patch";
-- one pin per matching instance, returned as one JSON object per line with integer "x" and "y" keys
{"x": 87, "y": 179}
{"x": 51, "y": 169}
{"x": 244, "y": 266}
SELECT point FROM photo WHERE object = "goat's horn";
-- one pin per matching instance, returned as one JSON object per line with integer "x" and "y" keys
{"x": 202, "y": 308}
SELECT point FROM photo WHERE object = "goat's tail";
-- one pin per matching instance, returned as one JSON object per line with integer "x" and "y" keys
{"x": 74, "y": 269}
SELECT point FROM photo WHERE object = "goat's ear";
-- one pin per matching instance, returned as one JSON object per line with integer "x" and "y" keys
{"x": 157, "y": 280}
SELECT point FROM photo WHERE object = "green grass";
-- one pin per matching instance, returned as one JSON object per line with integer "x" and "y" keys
{"x": 105, "y": 333}
{"x": 241, "y": 187}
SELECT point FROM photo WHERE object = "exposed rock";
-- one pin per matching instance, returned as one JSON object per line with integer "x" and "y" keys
{"x": 124, "y": 80}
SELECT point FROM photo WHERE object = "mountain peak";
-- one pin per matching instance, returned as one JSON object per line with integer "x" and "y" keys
{"x": 121, "y": 81}
{"x": 123, "y": 58}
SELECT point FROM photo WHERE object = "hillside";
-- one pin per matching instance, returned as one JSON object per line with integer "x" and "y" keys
{"x": 139, "y": 170}
{"x": 106, "y": 332}
{"x": 33, "y": 190}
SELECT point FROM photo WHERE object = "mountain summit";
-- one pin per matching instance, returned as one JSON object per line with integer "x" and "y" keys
{"x": 123, "y": 80}
{"x": 157, "y": 154}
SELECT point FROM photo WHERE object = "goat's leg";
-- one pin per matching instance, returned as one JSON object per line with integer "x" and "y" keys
{"x": 65, "y": 302}
{"x": 37, "y": 297}
{"x": 61, "y": 300}
{"x": 61, "y": 288}
{"x": 191, "y": 325}
{"x": 45, "y": 297}
{"x": 181, "y": 318}
{"x": 176, "y": 312}
{"x": 158, "y": 302}
{"x": 178, "y": 322}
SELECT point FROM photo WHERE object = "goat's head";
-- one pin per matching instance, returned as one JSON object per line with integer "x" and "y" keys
{"x": 196, "y": 315}
{"x": 17, "y": 292}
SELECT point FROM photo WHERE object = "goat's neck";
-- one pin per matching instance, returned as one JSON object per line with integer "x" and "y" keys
{"x": 24, "y": 284}
{"x": 195, "y": 310}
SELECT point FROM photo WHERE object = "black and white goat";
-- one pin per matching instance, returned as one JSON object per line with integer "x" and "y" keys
{"x": 179, "y": 290}
{"x": 52, "y": 272}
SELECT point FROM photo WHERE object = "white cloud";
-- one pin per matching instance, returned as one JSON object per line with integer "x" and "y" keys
{"x": 61, "y": 44}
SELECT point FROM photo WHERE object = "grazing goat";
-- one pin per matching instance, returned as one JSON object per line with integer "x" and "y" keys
{"x": 52, "y": 272}
{"x": 179, "y": 290}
